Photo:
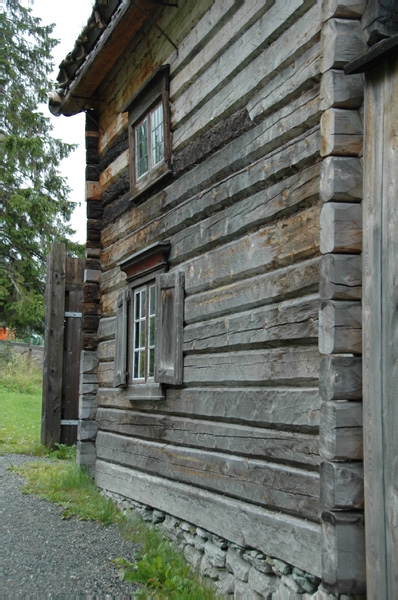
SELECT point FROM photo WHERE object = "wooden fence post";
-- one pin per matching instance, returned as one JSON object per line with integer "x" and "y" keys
{"x": 53, "y": 346}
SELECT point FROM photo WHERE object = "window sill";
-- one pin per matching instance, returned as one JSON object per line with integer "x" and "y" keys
{"x": 147, "y": 181}
{"x": 145, "y": 391}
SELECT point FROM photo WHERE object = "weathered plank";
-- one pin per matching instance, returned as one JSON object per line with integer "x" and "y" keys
{"x": 250, "y": 212}
{"x": 204, "y": 102}
{"x": 106, "y": 350}
{"x": 280, "y": 366}
{"x": 340, "y": 378}
{"x": 341, "y": 228}
{"x": 343, "y": 552}
{"x": 87, "y": 431}
{"x": 297, "y": 408}
{"x": 340, "y": 327}
{"x": 341, "y": 91}
{"x": 144, "y": 220}
{"x": 345, "y": 9}
{"x": 341, "y": 132}
{"x": 291, "y": 320}
{"x": 380, "y": 303}
{"x": 341, "y": 485}
{"x": 259, "y": 290}
{"x": 53, "y": 346}
{"x": 219, "y": 29}
{"x": 340, "y": 433}
{"x": 290, "y": 240}
{"x": 340, "y": 179}
{"x": 119, "y": 166}
{"x": 296, "y": 77}
{"x": 283, "y": 536}
{"x": 107, "y": 328}
{"x": 266, "y": 484}
{"x": 340, "y": 277}
{"x": 106, "y": 374}
{"x": 342, "y": 41}
{"x": 256, "y": 442}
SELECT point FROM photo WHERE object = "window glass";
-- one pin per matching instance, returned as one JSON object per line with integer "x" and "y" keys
{"x": 142, "y": 148}
{"x": 157, "y": 135}
{"x": 144, "y": 332}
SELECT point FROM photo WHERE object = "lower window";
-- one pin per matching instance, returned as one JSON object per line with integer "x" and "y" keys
{"x": 143, "y": 332}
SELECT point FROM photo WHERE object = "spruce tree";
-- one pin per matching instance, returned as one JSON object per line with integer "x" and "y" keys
{"x": 34, "y": 206}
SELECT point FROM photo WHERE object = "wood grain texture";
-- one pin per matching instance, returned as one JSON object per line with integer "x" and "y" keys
{"x": 253, "y": 292}
{"x": 341, "y": 91}
{"x": 340, "y": 277}
{"x": 277, "y": 486}
{"x": 341, "y": 132}
{"x": 280, "y": 366}
{"x": 343, "y": 552}
{"x": 294, "y": 408}
{"x": 342, "y": 486}
{"x": 342, "y": 41}
{"x": 341, "y": 179}
{"x": 340, "y": 378}
{"x": 253, "y": 441}
{"x": 291, "y": 320}
{"x": 341, "y": 228}
{"x": 341, "y": 431}
{"x": 340, "y": 327}
{"x": 279, "y": 535}
{"x": 345, "y": 9}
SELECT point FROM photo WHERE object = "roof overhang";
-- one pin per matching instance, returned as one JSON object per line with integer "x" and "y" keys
{"x": 110, "y": 28}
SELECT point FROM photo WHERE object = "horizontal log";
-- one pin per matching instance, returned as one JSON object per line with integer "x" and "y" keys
{"x": 343, "y": 552}
{"x": 106, "y": 350}
{"x": 340, "y": 277}
{"x": 114, "y": 170}
{"x": 256, "y": 442}
{"x": 341, "y": 179}
{"x": 340, "y": 378}
{"x": 340, "y": 433}
{"x": 93, "y": 191}
{"x": 342, "y": 486}
{"x": 105, "y": 374}
{"x": 341, "y": 91}
{"x": 341, "y": 132}
{"x": 255, "y": 291}
{"x": 341, "y": 228}
{"x": 245, "y": 214}
{"x": 298, "y": 75}
{"x": 345, "y": 9}
{"x": 281, "y": 366}
{"x": 154, "y": 220}
{"x": 290, "y": 320}
{"x": 107, "y": 328}
{"x": 87, "y": 431}
{"x": 203, "y": 103}
{"x": 88, "y": 362}
{"x": 291, "y": 539}
{"x": 220, "y": 27}
{"x": 340, "y": 327}
{"x": 295, "y": 407}
{"x": 342, "y": 41}
{"x": 278, "y": 245}
{"x": 277, "y": 486}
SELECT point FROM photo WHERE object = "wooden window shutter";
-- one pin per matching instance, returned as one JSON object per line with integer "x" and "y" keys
{"x": 120, "y": 377}
{"x": 169, "y": 328}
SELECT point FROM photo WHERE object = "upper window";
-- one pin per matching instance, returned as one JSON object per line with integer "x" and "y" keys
{"x": 149, "y": 132}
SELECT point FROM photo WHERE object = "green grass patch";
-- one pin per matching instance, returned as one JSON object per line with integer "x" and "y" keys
{"x": 20, "y": 422}
{"x": 159, "y": 567}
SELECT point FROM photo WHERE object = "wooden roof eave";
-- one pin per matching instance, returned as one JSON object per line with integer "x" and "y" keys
{"x": 119, "y": 33}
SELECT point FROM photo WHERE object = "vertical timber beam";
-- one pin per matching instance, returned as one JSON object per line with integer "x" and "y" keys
{"x": 53, "y": 346}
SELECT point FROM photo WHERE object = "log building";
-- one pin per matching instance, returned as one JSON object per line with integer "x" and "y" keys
{"x": 221, "y": 372}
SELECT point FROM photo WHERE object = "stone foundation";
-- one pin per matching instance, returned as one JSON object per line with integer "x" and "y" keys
{"x": 235, "y": 571}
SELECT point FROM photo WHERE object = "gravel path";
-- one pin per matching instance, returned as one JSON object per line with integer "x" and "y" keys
{"x": 45, "y": 557}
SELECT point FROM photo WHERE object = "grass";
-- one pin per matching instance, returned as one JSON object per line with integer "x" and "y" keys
{"x": 160, "y": 568}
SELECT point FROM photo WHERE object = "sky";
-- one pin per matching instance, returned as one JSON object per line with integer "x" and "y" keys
{"x": 69, "y": 17}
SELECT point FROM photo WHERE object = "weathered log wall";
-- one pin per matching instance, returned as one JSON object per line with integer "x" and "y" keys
{"x": 242, "y": 211}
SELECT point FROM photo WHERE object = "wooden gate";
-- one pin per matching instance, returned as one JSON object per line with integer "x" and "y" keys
{"x": 62, "y": 347}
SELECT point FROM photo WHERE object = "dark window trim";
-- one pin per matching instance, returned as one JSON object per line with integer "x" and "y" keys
{"x": 155, "y": 91}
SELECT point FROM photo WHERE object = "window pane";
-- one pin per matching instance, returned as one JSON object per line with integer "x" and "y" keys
{"x": 141, "y": 141}
{"x": 143, "y": 335}
{"x": 151, "y": 366}
{"x": 152, "y": 331}
{"x": 136, "y": 362}
{"x": 137, "y": 305}
{"x": 157, "y": 135}
{"x": 152, "y": 300}
{"x": 142, "y": 364}
{"x": 143, "y": 304}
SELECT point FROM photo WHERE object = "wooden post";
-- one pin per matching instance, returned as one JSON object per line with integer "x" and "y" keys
{"x": 53, "y": 346}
